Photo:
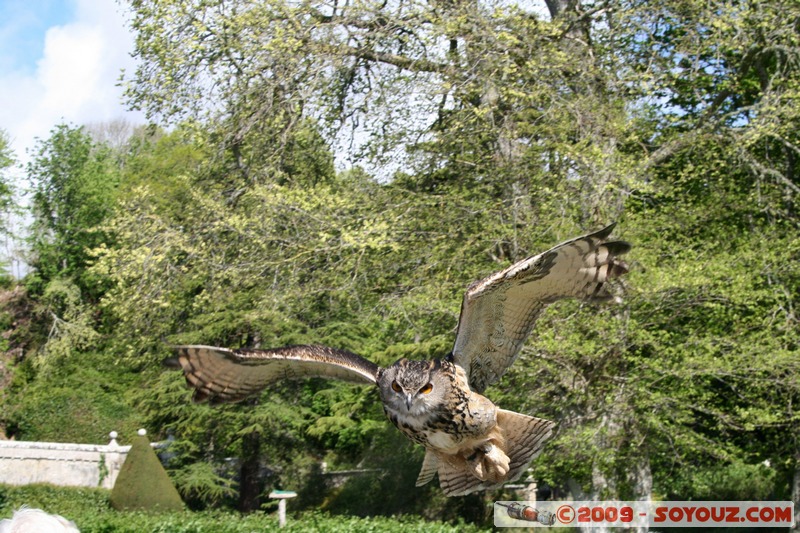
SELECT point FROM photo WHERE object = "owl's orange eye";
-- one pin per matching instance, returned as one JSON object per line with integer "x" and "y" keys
{"x": 396, "y": 387}
{"x": 426, "y": 389}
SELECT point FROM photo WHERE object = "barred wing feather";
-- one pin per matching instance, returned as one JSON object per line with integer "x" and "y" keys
{"x": 498, "y": 313}
{"x": 223, "y": 375}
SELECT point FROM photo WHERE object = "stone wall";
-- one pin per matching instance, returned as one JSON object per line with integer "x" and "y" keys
{"x": 80, "y": 465}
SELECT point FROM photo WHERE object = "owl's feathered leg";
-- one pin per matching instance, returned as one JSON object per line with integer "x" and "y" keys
{"x": 488, "y": 463}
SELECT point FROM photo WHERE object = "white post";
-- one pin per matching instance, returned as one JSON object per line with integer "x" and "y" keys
{"x": 282, "y": 496}
{"x": 282, "y": 512}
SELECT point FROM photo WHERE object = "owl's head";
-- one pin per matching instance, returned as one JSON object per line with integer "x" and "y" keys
{"x": 413, "y": 387}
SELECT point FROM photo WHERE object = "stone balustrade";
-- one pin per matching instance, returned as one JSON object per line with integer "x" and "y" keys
{"x": 77, "y": 465}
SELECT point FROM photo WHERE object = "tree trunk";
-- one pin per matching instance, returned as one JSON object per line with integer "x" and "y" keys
{"x": 604, "y": 486}
{"x": 556, "y": 7}
{"x": 796, "y": 493}
{"x": 641, "y": 478}
{"x": 250, "y": 482}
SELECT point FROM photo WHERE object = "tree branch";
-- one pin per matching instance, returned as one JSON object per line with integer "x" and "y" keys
{"x": 403, "y": 62}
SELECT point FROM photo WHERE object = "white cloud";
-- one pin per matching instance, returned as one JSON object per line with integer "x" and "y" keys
{"x": 74, "y": 81}
{"x": 71, "y": 71}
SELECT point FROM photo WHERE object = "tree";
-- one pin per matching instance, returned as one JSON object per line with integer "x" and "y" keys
{"x": 475, "y": 76}
{"x": 695, "y": 369}
{"x": 6, "y": 161}
{"x": 727, "y": 147}
{"x": 8, "y": 206}
{"x": 74, "y": 184}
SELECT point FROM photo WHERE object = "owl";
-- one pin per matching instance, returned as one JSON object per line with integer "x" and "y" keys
{"x": 471, "y": 443}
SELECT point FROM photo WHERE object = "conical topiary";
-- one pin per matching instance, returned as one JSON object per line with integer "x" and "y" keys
{"x": 142, "y": 483}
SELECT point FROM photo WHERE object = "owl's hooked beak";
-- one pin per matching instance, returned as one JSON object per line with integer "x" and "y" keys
{"x": 409, "y": 399}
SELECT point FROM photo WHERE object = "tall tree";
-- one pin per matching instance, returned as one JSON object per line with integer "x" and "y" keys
{"x": 486, "y": 81}
{"x": 7, "y": 160}
{"x": 74, "y": 183}
{"x": 714, "y": 331}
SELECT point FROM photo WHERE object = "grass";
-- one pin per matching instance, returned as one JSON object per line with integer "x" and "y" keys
{"x": 91, "y": 512}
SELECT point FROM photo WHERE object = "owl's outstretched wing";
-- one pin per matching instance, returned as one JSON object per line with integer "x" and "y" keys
{"x": 223, "y": 375}
{"x": 498, "y": 312}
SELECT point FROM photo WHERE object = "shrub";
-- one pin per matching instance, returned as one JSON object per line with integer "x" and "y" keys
{"x": 143, "y": 484}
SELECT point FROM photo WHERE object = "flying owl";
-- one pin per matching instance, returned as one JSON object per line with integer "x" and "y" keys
{"x": 470, "y": 443}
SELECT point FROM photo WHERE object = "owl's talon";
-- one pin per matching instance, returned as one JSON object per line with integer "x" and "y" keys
{"x": 488, "y": 463}
{"x": 497, "y": 462}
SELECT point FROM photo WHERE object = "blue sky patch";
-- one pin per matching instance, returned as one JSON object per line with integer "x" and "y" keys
{"x": 23, "y": 25}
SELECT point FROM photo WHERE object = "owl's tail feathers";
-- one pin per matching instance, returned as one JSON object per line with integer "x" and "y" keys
{"x": 525, "y": 436}
{"x": 520, "y": 437}
{"x": 430, "y": 465}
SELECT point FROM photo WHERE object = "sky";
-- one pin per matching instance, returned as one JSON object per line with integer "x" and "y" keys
{"x": 60, "y": 62}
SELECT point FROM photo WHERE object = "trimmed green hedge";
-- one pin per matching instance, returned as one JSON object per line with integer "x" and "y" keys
{"x": 143, "y": 484}
{"x": 91, "y": 512}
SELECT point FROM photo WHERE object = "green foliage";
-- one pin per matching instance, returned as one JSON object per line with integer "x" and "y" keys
{"x": 142, "y": 483}
{"x": 71, "y": 321}
{"x": 89, "y": 509}
{"x": 75, "y": 400}
{"x": 679, "y": 119}
{"x": 735, "y": 481}
{"x": 7, "y": 160}
{"x": 200, "y": 482}
{"x": 69, "y": 502}
{"x": 74, "y": 183}
{"x": 391, "y": 466}
{"x": 6, "y": 155}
